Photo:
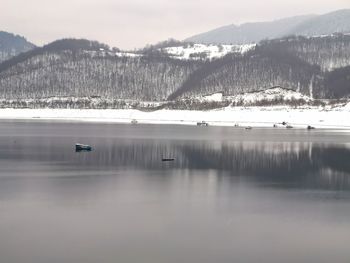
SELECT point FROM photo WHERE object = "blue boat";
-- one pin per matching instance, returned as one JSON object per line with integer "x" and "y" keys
{"x": 82, "y": 147}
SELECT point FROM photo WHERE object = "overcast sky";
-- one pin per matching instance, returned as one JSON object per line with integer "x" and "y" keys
{"x": 131, "y": 24}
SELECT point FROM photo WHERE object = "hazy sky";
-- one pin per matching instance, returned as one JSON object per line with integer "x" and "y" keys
{"x": 133, "y": 23}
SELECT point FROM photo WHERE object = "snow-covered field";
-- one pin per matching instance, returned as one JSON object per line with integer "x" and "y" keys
{"x": 275, "y": 93}
{"x": 230, "y": 116}
{"x": 197, "y": 51}
{"x": 210, "y": 51}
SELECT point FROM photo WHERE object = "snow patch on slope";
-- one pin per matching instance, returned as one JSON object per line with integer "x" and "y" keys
{"x": 268, "y": 95}
{"x": 216, "y": 97}
{"x": 272, "y": 94}
{"x": 201, "y": 51}
{"x": 127, "y": 54}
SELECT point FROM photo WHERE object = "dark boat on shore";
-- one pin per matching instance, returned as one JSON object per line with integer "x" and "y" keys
{"x": 82, "y": 147}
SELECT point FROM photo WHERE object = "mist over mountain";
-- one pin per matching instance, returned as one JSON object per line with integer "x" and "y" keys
{"x": 12, "y": 45}
{"x": 307, "y": 25}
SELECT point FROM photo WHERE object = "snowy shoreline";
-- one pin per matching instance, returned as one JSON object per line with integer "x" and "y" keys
{"x": 230, "y": 116}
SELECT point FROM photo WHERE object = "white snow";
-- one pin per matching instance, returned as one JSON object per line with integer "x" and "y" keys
{"x": 215, "y": 97}
{"x": 210, "y": 51}
{"x": 127, "y": 54}
{"x": 249, "y": 98}
{"x": 269, "y": 95}
{"x": 347, "y": 107}
{"x": 229, "y": 116}
{"x": 186, "y": 52}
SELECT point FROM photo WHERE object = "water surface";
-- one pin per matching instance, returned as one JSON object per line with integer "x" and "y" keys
{"x": 231, "y": 195}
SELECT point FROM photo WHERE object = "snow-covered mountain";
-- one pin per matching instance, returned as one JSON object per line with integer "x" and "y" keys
{"x": 12, "y": 45}
{"x": 308, "y": 25}
{"x": 315, "y": 66}
{"x": 308, "y": 65}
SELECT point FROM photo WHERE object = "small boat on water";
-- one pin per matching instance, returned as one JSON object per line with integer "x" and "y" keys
{"x": 168, "y": 159}
{"x": 82, "y": 147}
{"x": 248, "y": 128}
{"x": 202, "y": 123}
{"x": 289, "y": 126}
{"x": 310, "y": 127}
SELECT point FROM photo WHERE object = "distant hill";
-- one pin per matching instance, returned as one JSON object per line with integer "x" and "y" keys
{"x": 308, "y": 25}
{"x": 335, "y": 22}
{"x": 315, "y": 66}
{"x": 80, "y": 68}
{"x": 12, "y": 45}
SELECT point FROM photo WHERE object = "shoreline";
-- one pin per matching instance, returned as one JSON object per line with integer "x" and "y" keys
{"x": 263, "y": 117}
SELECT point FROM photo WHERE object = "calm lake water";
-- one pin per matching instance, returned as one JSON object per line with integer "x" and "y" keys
{"x": 231, "y": 195}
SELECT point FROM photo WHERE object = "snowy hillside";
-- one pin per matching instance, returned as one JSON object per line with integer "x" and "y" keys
{"x": 127, "y": 54}
{"x": 269, "y": 95}
{"x": 189, "y": 51}
{"x": 82, "y": 68}
{"x": 272, "y": 95}
{"x": 202, "y": 51}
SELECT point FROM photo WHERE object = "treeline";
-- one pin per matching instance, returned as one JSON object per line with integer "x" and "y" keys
{"x": 157, "y": 48}
{"x": 183, "y": 104}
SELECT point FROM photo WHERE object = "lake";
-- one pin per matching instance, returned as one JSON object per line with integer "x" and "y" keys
{"x": 230, "y": 195}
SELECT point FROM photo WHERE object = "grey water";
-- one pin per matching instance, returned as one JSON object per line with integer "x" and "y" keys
{"x": 230, "y": 195}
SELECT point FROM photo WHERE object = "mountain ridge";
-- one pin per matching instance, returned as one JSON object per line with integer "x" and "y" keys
{"x": 11, "y": 45}
{"x": 305, "y": 25}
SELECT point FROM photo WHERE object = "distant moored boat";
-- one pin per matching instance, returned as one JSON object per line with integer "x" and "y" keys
{"x": 202, "y": 123}
{"x": 82, "y": 147}
{"x": 168, "y": 159}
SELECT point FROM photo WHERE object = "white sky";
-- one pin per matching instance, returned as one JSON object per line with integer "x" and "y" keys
{"x": 132, "y": 24}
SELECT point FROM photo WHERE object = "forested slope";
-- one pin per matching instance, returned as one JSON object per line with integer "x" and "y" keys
{"x": 317, "y": 66}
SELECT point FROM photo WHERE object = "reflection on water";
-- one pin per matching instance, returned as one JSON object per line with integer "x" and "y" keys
{"x": 229, "y": 196}
{"x": 284, "y": 164}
